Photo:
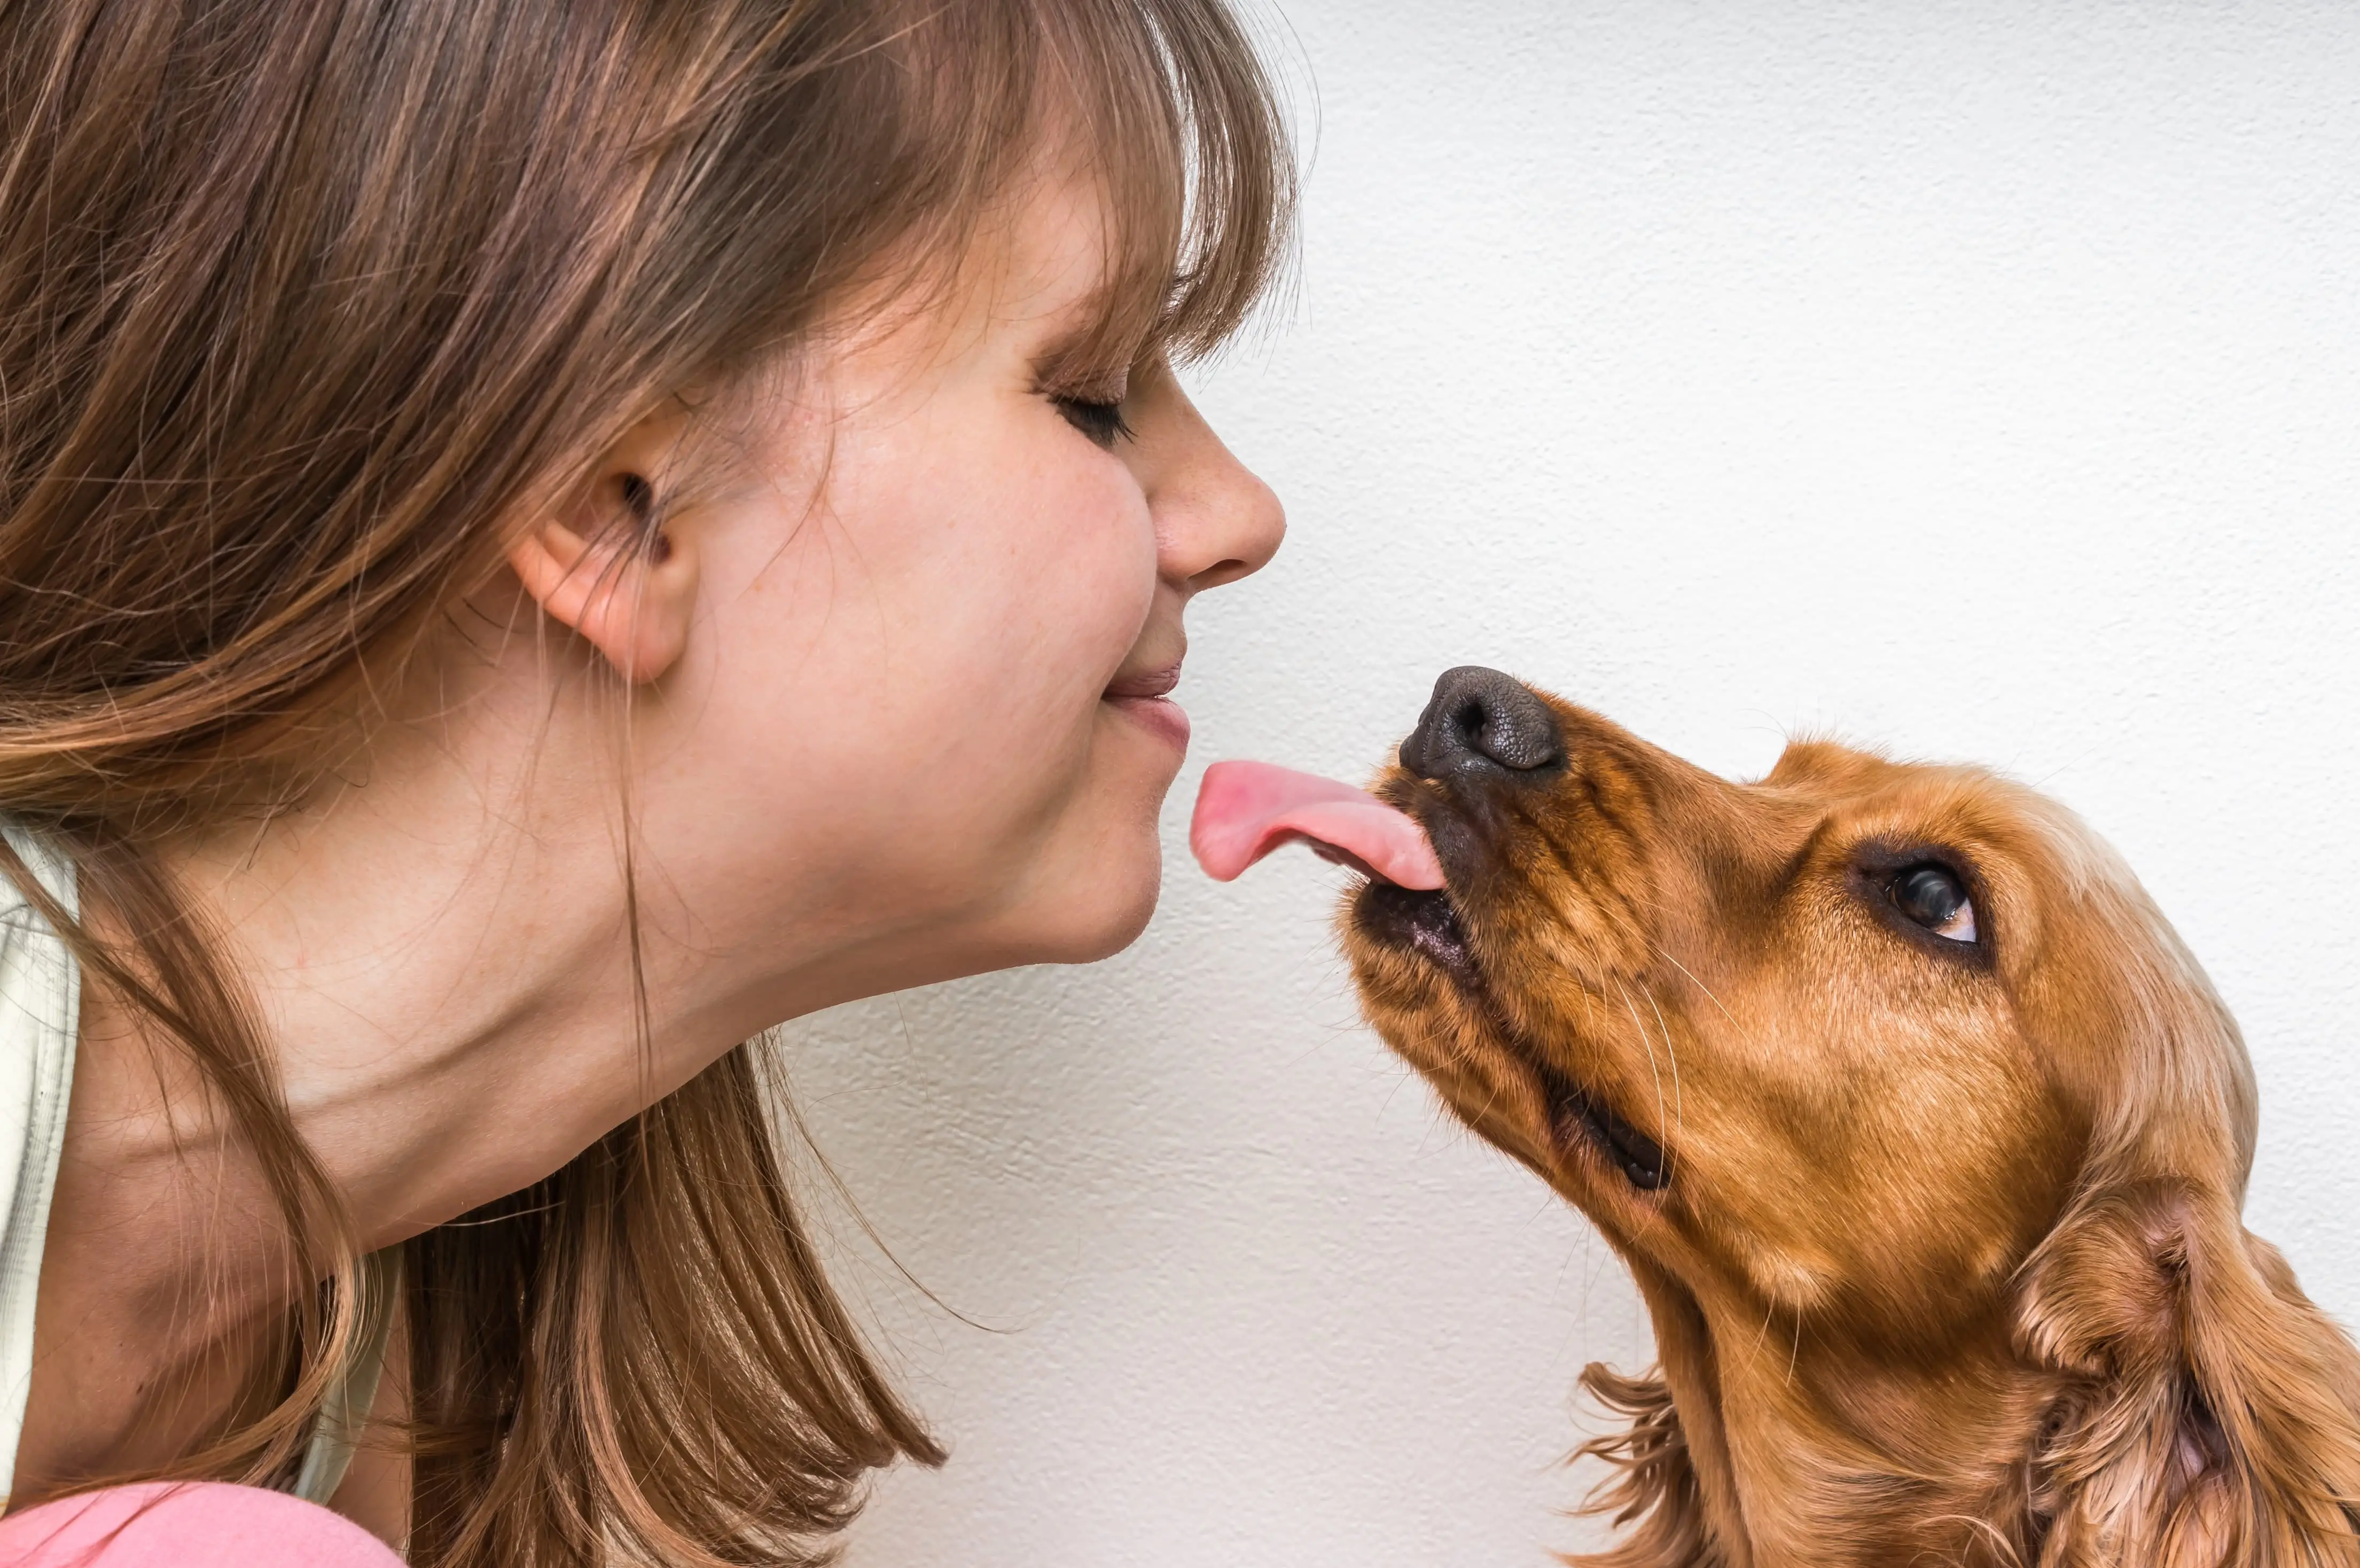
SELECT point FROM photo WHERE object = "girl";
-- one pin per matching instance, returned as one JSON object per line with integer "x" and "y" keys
{"x": 540, "y": 538}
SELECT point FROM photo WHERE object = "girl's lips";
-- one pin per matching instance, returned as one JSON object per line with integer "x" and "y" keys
{"x": 1164, "y": 716}
{"x": 1156, "y": 682}
{"x": 1144, "y": 695}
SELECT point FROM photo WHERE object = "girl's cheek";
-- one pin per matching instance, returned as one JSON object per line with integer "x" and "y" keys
{"x": 1072, "y": 571}
{"x": 996, "y": 569}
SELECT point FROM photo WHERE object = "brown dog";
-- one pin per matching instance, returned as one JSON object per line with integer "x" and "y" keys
{"x": 1923, "y": 1136}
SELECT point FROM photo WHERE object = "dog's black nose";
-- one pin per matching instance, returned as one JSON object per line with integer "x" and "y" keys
{"x": 1482, "y": 721}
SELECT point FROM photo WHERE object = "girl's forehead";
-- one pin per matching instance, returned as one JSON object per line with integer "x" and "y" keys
{"x": 1134, "y": 227}
{"x": 1043, "y": 271}
{"x": 1045, "y": 250}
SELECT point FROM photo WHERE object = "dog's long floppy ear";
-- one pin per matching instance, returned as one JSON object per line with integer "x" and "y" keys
{"x": 2206, "y": 1416}
{"x": 1654, "y": 1483}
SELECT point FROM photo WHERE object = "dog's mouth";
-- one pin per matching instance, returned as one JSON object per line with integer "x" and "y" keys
{"x": 1420, "y": 920}
{"x": 1574, "y": 1111}
{"x": 1425, "y": 922}
{"x": 1245, "y": 809}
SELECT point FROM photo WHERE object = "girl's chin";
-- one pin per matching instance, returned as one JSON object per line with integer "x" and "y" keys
{"x": 1116, "y": 928}
{"x": 1093, "y": 914}
{"x": 1089, "y": 885}
{"x": 1101, "y": 886}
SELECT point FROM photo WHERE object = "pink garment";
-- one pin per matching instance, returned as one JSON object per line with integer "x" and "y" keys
{"x": 191, "y": 1524}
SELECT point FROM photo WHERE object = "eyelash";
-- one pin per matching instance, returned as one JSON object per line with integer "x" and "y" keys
{"x": 1102, "y": 422}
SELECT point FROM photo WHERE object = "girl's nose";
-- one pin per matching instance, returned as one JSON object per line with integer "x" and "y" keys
{"x": 1216, "y": 521}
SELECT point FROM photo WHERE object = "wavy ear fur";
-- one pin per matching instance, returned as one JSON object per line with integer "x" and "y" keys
{"x": 1653, "y": 1479}
{"x": 2206, "y": 1416}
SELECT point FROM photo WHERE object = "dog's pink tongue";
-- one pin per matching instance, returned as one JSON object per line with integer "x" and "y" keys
{"x": 1245, "y": 809}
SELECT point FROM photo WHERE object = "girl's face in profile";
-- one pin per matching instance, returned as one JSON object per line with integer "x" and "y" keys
{"x": 918, "y": 725}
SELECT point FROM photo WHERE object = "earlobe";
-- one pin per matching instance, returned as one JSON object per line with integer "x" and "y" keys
{"x": 630, "y": 597}
{"x": 2208, "y": 1412}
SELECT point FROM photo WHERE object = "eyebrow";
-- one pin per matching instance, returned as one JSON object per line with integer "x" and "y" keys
{"x": 1091, "y": 347}
{"x": 1104, "y": 331}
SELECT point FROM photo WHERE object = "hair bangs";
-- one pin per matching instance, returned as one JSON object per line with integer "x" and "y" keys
{"x": 1165, "y": 102}
{"x": 1186, "y": 136}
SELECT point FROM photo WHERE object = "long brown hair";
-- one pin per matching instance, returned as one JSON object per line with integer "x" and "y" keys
{"x": 301, "y": 302}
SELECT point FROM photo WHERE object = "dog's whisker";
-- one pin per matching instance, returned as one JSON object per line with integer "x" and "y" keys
{"x": 1699, "y": 985}
{"x": 1679, "y": 1105}
{"x": 1648, "y": 1043}
{"x": 1769, "y": 1310}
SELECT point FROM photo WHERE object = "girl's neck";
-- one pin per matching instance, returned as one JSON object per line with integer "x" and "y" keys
{"x": 454, "y": 1021}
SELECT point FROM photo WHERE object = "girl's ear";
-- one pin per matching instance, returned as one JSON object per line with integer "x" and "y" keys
{"x": 601, "y": 568}
{"x": 2207, "y": 1412}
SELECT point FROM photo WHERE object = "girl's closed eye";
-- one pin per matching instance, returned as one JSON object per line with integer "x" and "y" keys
{"x": 1099, "y": 418}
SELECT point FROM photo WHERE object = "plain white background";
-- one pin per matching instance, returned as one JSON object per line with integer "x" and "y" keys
{"x": 1979, "y": 380}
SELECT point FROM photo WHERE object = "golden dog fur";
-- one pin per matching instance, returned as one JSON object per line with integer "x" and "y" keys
{"x": 1943, "y": 1245}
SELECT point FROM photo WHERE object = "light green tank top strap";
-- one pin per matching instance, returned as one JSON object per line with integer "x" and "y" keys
{"x": 40, "y": 1019}
{"x": 345, "y": 1410}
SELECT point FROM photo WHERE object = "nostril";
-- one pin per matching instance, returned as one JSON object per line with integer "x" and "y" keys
{"x": 1518, "y": 736}
{"x": 1481, "y": 719}
{"x": 1220, "y": 575}
{"x": 1466, "y": 724}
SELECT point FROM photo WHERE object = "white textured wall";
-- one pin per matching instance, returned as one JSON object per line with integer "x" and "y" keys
{"x": 1977, "y": 379}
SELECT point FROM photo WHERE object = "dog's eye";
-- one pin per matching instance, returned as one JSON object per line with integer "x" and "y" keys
{"x": 1933, "y": 898}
